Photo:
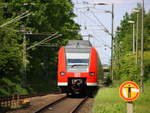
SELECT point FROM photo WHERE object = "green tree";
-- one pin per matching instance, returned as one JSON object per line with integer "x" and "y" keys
{"x": 49, "y": 16}
{"x": 125, "y": 67}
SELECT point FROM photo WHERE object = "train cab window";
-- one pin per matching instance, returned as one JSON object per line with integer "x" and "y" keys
{"x": 77, "y": 59}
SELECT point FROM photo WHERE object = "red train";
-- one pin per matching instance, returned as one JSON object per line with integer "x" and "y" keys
{"x": 79, "y": 68}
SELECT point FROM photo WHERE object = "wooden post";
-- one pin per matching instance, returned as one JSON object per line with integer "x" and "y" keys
{"x": 130, "y": 107}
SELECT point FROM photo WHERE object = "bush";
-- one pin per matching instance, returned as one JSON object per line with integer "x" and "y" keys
{"x": 127, "y": 69}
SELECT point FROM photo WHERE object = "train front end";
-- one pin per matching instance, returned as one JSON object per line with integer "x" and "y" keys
{"x": 78, "y": 68}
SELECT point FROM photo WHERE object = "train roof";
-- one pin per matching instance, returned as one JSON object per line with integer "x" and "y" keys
{"x": 78, "y": 44}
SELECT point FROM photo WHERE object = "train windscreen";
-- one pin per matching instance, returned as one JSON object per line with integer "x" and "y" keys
{"x": 77, "y": 58}
{"x": 77, "y": 61}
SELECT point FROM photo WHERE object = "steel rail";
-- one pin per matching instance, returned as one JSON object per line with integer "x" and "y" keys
{"x": 48, "y": 105}
{"x": 77, "y": 108}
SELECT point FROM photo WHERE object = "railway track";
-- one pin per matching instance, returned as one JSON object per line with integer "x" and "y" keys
{"x": 77, "y": 108}
{"x": 63, "y": 105}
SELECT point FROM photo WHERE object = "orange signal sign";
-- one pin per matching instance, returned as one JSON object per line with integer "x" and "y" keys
{"x": 129, "y": 91}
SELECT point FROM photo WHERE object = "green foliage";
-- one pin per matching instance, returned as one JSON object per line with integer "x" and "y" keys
{"x": 147, "y": 32}
{"x": 142, "y": 104}
{"x": 147, "y": 65}
{"x": 11, "y": 86}
{"x": 49, "y": 16}
{"x": 125, "y": 67}
{"x": 10, "y": 53}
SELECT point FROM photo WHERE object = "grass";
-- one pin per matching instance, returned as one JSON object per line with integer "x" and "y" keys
{"x": 142, "y": 104}
{"x": 108, "y": 100}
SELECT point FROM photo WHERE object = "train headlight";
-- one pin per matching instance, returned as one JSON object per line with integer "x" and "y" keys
{"x": 91, "y": 73}
{"x": 62, "y": 73}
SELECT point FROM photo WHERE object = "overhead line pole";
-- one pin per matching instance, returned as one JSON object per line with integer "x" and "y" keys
{"x": 133, "y": 38}
{"x": 142, "y": 52}
{"x": 112, "y": 42}
{"x": 137, "y": 36}
{"x": 24, "y": 55}
{"x": 112, "y": 37}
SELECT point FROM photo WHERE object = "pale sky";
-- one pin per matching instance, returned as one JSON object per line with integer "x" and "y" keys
{"x": 90, "y": 18}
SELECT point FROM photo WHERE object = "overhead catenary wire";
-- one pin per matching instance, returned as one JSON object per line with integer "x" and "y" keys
{"x": 100, "y": 38}
{"x": 103, "y": 42}
{"x": 97, "y": 29}
{"x": 100, "y": 23}
{"x": 28, "y": 33}
{"x": 84, "y": 7}
{"x": 19, "y": 15}
{"x": 105, "y": 29}
{"x": 52, "y": 38}
{"x": 45, "y": 40}
{"x": 105, "y": 45}
{"x": 23, "y": 15}
{"x": 92, "y": 18}
{"x": 9, "y": 29}
{"x": 89, "y": 18}
{"x": 42, "y": 41}
{"x": 93, "y": 9}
